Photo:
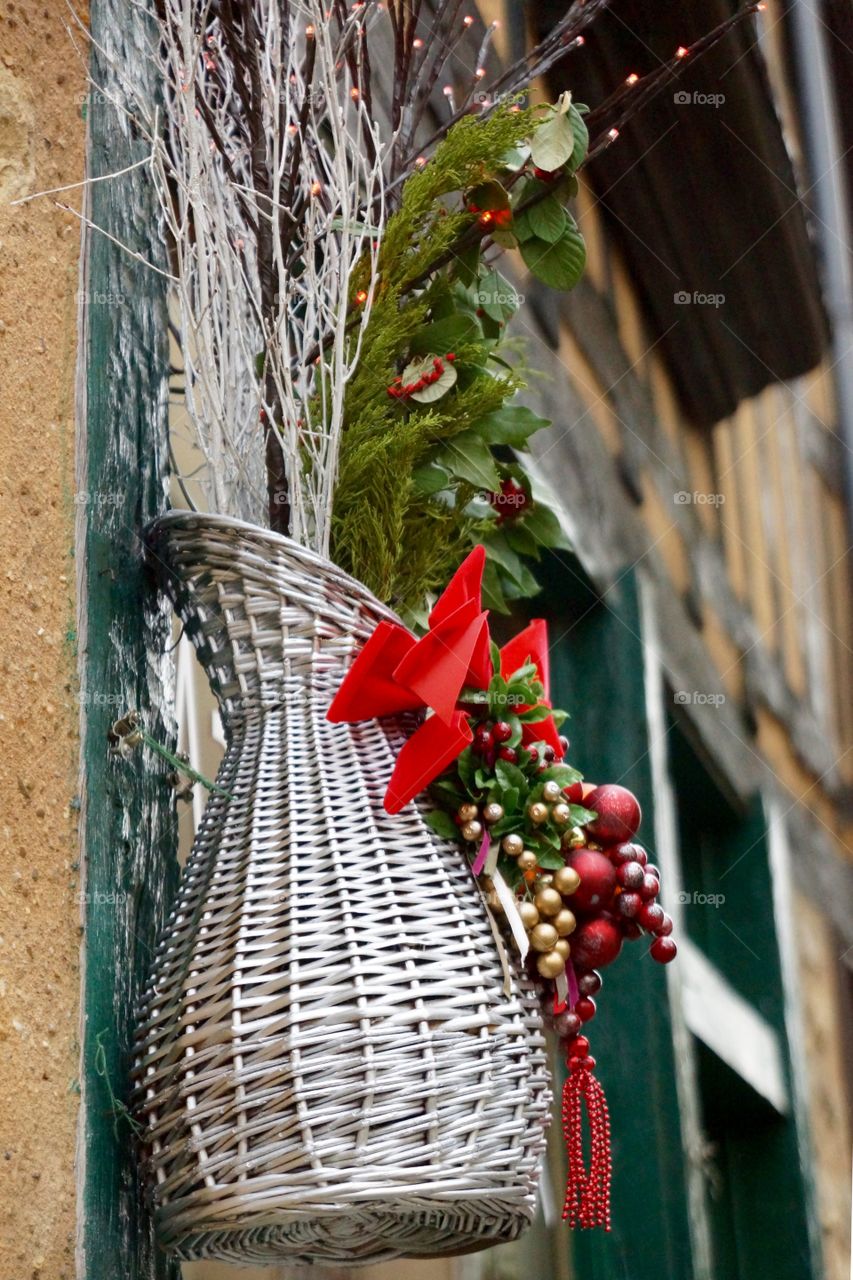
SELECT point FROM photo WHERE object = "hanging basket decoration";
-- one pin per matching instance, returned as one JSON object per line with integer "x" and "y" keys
{"x": 556, "y": 856}
{"x": 336, "y": 1059}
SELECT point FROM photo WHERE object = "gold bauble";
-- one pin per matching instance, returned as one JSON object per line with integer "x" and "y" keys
{"x": 566, "y": 880}
{"x": 544, "y": 881}
{"x": 551, "y": 792}
{"x": 548, "y": 902}
{"x": 527, "y": 861}
{"x": 563, "y": 948}
{"x": 544, "y": 937}
{"x": 537, "y": 812}
{"x": 574, "y": 839}
{"x": 493, "y": 813}
{"x": 564, "y": 922}
{"x": 529, "y": 914}
{"x": 472, "y": 831}
{"x": 512, "y": 846}
{"x": 550, "y": 964}
{"x": 467, "y": 812}
{"x": 561, "y": 814}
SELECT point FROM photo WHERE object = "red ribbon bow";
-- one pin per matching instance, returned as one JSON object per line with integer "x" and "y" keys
{"x": 396, "y": 672}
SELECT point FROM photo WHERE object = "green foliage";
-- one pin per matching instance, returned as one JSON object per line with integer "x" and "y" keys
{"x": 418, "y": 464}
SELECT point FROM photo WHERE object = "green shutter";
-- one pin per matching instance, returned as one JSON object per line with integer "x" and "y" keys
{"x": 128, "y": 818}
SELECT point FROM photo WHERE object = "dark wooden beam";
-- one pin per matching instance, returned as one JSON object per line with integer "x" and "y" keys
{"x": 128, "y": 829}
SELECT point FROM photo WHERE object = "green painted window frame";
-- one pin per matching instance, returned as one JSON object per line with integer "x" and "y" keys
{"x": 127, "y": 824}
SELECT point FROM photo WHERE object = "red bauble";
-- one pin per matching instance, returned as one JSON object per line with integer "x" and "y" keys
{"x": 650, "y": 916}
{"x": 619, "y": 813}
{"x": 663, "y": 950}
{"x": 596, "y": 943}
{"x": 665, "y": 929}
{"x": 589, "y": 984}
{"x": 585, "y": 1009}
{"x": 598, "y": 880}
{"x": 501, "y": 731}
{"x": 627, "y": 852}
{"x": 630, "y": 875}
{"x": 628, "y": 904}
{"x": 649, "y": 888}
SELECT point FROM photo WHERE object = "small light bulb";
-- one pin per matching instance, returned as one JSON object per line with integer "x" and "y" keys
{"x": 681, "y": 52}
{"x": 309, "y": 31}
{"x": 420, "y": 162}
{"x": 354, "y": 94}
{"x": 316, "y": 188}
{"x": 613, "y": 134}
{"x": 467, "y": 20}
{"x": 417, "y": 43}
{"x": 632, "y": 78}
{"x": 361, "y": 296}
{"x": 480, "y": 72}
{"x": 448, "y": 90}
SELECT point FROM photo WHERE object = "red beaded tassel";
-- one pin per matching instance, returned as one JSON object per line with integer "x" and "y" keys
{"x": 587, "y": 1191}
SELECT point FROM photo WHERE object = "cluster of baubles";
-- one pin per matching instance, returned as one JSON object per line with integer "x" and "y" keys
{"x": 615, "y": 900}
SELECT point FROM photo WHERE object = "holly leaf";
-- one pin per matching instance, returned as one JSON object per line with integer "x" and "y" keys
{"x": 430, "y": 479}
{"x": 581, "y": 817}
{"x": 543, "y": 525}
{"x": 535, "y": 714}
{"x": 467, "y": 768}
{"x": 447, "y": 793}
{"x": 550, "y": 859}
{"x": 492, "y": 589}
{"x": 445, "y": 335}
{"x": 547, "y": 219}
{"x": 513, "y": 425}
{"x": 563, "y": 774}
{"x": 442, "y": 824}
{"x": 496, "y": 297}
{"x": 580, "y": 134}
{"x": 469, "y": 458}
{"x": 559, "y": 265}
{"x": 510, "y": 777}
{"x": 434, "y": 390}
{"x": 553, "y": 141}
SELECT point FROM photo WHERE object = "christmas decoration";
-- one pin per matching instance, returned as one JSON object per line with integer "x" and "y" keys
{"x": 555, "y": 855}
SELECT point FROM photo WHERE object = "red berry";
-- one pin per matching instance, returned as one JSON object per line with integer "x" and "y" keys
{"x": 628, "y": 905}
{"x": 630, "y": 875}
{"x": 567, "y": 1024}
{"x": 589, "y": 984}
{"x": 653, "y": 871}
{"x": 663, "y": 950}
{"x": 596, "y": 943}
{"x": 598, "y": 880}
{"x": 585, "y": 1009}
{"x": 482, "y": 739}
{"x": 581, "y": 1047}
{"x": 650, "y": 888}
{"x": 627, "y": 852}
{"x": 501, "y": 731}
{"x": 650, "y": 916}
{"x": 564, "y": 744}
{"x": 665, "y": 928}
{"x": 509, "y": 754}
{"x": 546, "y": 175}
{"x": 619, "y": 813}
{"x": 631, "y": 930}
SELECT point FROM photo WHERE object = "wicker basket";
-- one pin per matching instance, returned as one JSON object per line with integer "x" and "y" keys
{"x": 331, "y": 1065}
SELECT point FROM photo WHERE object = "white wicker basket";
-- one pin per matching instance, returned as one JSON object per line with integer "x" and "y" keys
{"x": 328, "y": 1065}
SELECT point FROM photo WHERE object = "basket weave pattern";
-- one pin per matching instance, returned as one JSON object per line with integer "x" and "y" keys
{"x": 329, "y": 1067}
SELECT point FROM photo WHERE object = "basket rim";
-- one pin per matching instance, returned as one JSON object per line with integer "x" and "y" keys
{"x": 182, "y": 518}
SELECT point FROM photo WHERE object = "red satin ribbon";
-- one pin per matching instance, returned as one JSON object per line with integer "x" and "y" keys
{"x": 397, "y": 672}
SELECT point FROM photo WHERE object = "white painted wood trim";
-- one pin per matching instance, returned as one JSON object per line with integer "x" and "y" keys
{"x": 731, "y": 1028}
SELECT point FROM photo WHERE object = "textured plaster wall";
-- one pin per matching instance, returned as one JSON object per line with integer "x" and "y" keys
{"x": 41, "y": 145}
